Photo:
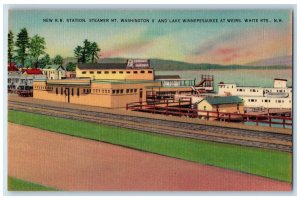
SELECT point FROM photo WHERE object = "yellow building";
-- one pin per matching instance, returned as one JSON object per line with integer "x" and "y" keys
{"x": 103, "y": 93}
{"x": 111, "y": 85}
{"x": 113, "y": 71}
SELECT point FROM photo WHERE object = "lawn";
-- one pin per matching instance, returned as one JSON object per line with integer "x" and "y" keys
{"x": 268, "y": 163}
{"x": 21, "y": 185}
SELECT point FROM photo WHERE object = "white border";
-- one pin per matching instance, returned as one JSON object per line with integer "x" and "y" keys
{"x": 263, "y": 4}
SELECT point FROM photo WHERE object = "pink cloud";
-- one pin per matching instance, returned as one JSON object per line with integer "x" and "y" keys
{"x": 244, "y": 47}
{"x": 225, "y": 51}
{"x": 122, "y": 50}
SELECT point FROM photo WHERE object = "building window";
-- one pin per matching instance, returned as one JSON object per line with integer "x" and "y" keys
{"x": 128, "y": 72}
{"x": 131, "y": 90}
{"x": 77, "y": 91}
{"x": 72, "y": 92}
{"x": 121, "y": 91}
{"x": 106, "y": 72}
{"x": 91, "y": 72}
{"x": 113, "y": 72}
{"x": 149, "y": 72}
{"x": 98, "y": 72}
{"x": 127, "y": 90}
{"x": 114, "y": 91}
{"x": 135, "y": 72}
{"x": 84, "y": 72}
{"x": 142, "y": 72}
{"x": 135, "y": 90}
{"x": 61, "y": 91}
{"x": 120, "y": 72}
{"x": 56, "y": 90}
{"x": 83, "y": 90}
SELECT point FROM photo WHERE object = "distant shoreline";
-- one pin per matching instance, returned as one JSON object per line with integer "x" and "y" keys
{"x": 171, "y": 65}
{"x": 224, "y": 69}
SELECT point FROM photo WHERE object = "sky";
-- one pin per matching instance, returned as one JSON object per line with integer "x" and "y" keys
{"x": 221, "y": 42}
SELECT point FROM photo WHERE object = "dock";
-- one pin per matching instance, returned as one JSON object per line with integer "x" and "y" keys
{"x": 272, "y": 112}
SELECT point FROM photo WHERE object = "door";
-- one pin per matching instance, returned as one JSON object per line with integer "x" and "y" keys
{"x": 67, "y": 93}
{"x": 141, "y": 95}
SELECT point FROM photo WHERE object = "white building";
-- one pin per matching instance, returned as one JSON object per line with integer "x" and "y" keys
{"x": 174, "y": 81}
{"x": 280, "y": 96}
{"x": 23, "y": 80}
{"x": 54, "y": 72}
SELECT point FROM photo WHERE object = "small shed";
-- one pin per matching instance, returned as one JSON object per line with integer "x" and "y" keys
{"x": 227, "y": 104}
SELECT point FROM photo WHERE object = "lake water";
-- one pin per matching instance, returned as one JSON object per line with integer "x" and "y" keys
{"x": 244, "y": 77}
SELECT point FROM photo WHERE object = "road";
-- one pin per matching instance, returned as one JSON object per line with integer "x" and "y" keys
{"x": 73, "y": 164}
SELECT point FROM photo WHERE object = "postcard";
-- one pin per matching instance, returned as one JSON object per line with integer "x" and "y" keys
{"x": 159, "y": 99}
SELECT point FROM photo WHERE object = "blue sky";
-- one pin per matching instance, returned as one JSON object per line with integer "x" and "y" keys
{"x": 222, "y": 43}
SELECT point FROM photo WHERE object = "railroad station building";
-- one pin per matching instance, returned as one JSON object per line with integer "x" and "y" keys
{"x": 111, "y": 85}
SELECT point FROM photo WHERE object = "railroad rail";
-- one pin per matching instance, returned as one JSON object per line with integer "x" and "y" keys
{"x": 251, "y": 138}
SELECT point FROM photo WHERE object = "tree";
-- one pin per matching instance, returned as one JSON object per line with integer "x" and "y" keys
{"x": 45, "y": 61}
{"x": 10, "y": 47}
{"x": 71, "y": 66}
{"x": 94, "y": 49}
{"x": 58, "y": 60}
{"x": 36, "y": 48}
{"x": 78, "y": 54}
{"x": 22, "y": 44}
{"x": 87, "y": 53}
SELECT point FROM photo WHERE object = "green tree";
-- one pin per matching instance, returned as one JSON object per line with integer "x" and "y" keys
{"x": 22, "y": 44}
{"x": 87, "y": 53}
{"x": 94, "y": 49}
{"x": 71, "y": 66}
{"x": 45, "y": 61}
{"x": 10, "y": 46}
{"x": 36, "y": 48}
{"x": 28, "y": 61}
{"x": 58, "y": 60}
{"x": 78, "y": 54}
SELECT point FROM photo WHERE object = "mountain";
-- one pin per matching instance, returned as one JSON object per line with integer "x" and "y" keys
{"x": 160, "y": 64}
{"x": 281, "y": 60}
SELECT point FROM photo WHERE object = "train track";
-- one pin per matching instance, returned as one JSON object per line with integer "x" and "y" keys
{"x": 266, "y": 140}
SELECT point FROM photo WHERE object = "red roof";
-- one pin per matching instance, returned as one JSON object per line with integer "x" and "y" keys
{"x": 33, "y": 71}
{"x": 12, "y": 67}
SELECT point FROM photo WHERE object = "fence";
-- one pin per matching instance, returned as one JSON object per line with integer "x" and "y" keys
{"x": 285, "y": 122}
